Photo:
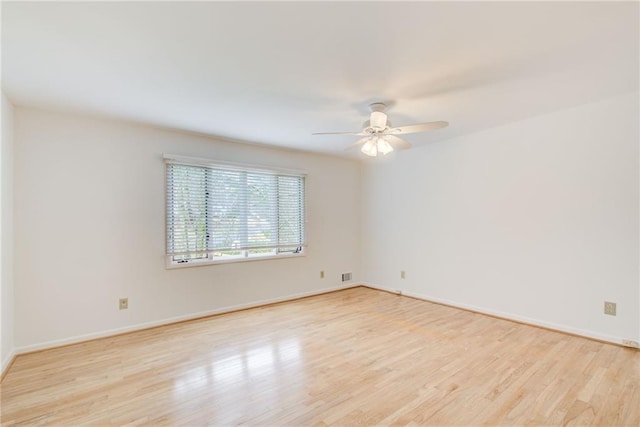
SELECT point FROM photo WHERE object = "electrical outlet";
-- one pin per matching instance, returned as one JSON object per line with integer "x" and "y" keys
{"x": 610, "y": 308}
{"x": 402, "y": 274}
{"x": 630, "y": 343}
{"x": 124, "y": 303}
{"x": 322, "y": 274}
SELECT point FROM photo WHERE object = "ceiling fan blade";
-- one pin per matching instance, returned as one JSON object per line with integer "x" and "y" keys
{"x": 422, "y": 127}
{"x": 358, "y": 142}
{"x": 397, "y": 142}
{"x": 339, "y": 133}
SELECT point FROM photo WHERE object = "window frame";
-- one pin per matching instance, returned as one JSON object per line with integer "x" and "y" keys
{"x": 245, "y": 255}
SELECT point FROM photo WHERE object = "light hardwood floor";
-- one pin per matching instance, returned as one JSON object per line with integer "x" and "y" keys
{"x": 357, "y": 356}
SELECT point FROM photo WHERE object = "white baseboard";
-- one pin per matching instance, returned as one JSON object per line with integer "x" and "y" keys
{"x": 507, "y": 316}
{"x": 6, "y": 362}
{"x": 192, "y": 316}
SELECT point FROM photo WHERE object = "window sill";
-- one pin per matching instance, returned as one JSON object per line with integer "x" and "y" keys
{"x": 171, "y": 265}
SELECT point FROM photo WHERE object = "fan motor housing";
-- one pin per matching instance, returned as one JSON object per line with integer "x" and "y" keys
{"x": 367, "y": 124}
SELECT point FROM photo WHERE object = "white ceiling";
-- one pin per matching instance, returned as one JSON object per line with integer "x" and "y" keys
{"x": 274, "y": 73}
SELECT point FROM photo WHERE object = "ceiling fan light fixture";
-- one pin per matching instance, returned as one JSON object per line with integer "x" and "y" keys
{"x": 383, "y": 146}
{"x": 376, "y": 145}
{"x": 370, "y": 148}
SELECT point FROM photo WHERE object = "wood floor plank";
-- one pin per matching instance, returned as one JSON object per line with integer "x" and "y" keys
{"x": 354, "y": 357}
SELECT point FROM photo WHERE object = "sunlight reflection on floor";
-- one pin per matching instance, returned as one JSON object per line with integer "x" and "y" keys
{"x": 248, "y": 365}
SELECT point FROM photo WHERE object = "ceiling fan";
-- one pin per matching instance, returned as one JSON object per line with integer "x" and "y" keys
{"x": 380, "y": 137}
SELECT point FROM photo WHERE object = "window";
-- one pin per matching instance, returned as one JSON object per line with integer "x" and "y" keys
{"x": 219, "y": 213}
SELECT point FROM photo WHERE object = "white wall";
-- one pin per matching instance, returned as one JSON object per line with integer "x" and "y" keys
{"x": 6, "y": 236}
{"x": 89, "y": 229}
{"x": 536, "y": 220}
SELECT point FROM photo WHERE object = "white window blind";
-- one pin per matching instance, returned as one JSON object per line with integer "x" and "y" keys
{"x": 217, "y": 212}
